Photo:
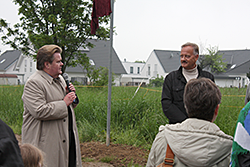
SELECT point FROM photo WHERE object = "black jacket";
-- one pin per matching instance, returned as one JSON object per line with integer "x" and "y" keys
{"x": 10, "y": 155}
{"x": 244, "y": 160}
{"x": 172, "y": 94}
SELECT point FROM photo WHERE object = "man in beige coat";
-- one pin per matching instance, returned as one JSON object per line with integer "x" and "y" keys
{"x": 197, "y": 141}
{"x": 48, "y": 119}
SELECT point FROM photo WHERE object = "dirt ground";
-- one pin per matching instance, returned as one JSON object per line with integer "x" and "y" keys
{"x": 119, "y": 155}
{"x": 94, "y": 154}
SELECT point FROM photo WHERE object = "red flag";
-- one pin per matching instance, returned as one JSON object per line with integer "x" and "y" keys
{"x": 100, "y": 8}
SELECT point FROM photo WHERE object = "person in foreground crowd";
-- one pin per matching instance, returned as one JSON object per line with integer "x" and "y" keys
{"x": 175, "y": 81}
{"x": 197, "y": 141}
{"x": 241, "y": 145}
{"x": 49, "y": 121}
{"x": 10, "y": 154}
{"x": 31, "y": 155}
{"x": 247, "y": 97}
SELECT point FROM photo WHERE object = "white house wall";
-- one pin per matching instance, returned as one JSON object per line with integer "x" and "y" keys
{"x": 23, "y": 68}
{"x": 8, "y": 81}
{"x": 135, "y": 66}
{"x": 244, "y": 81}
{"x": 126, "y": 78}
{"x": 75, "y": 74}
{"x": 30, "y": 68}
{"x": 224, "y": 82}
{"x": 153, "y": 67}
{"x": 232, "y": 82}
{"x": 133, "y": 76}
{"x": 117, "y": 78}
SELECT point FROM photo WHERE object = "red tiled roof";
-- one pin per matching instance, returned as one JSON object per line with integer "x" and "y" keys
{"x": 8, "y": 76}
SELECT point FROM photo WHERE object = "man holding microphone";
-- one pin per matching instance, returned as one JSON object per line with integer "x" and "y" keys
{"x": 48, "y": 120}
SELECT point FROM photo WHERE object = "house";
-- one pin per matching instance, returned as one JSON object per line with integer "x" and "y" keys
{"x": 160, "y": 63}
{"x": 14, "y": 63}
{"x": 99, "y": 56}
{"x": 133, "y": 75}
{"x": 238, "y": 65}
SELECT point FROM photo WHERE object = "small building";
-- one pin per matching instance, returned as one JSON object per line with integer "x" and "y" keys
{"x": 238, "y": 65}
{"x": 99, "y": 56}
{"x": 13, "y": 62}
{"x": 9, "y": 79}
{"x": 160, "y": 63}
{"x": 133, "y": 75}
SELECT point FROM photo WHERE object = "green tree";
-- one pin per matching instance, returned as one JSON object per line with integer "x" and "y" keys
{"x": 157, "y": 82}
{"x": 213, "y": 60}
{"x": 139, "y": 61}
{"x": 99, "y": 76}
{"x": 65, "y": 23}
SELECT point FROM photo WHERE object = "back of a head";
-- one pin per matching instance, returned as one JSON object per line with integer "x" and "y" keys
{"x": 201, "y": 97}
{"x": 32, "y": 156}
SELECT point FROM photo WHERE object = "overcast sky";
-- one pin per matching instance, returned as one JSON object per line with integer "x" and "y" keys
{"x": 145, "y": 25}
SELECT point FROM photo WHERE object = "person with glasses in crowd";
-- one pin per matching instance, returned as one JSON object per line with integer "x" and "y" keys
{"x": 175, "y": 81}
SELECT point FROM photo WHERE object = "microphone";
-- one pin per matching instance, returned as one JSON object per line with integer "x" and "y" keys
{"x": 66, "y": 78}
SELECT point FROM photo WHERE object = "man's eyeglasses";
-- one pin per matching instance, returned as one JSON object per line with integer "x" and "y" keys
{"x": 186, "y": 56}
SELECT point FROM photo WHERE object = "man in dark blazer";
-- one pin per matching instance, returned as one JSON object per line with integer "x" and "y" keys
{"x": 175, "y": 81}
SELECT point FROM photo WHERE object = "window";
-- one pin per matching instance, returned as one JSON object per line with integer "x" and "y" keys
{"x": 131, "y": 70}
{"x": 2, "y": 61}
{"x": 91, "y": 62}
{"x": 30, "y": 65}
{"x": 138, "y": 70}
{"x": 25, "y": 65}
{"x": 149, "y": 69}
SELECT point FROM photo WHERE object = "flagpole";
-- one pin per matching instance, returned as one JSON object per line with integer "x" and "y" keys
{"x": 110, "y": 74}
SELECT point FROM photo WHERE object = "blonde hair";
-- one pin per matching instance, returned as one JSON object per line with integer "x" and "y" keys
{"x": 46, "y": 54}
{"x": 32, "y": 156}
